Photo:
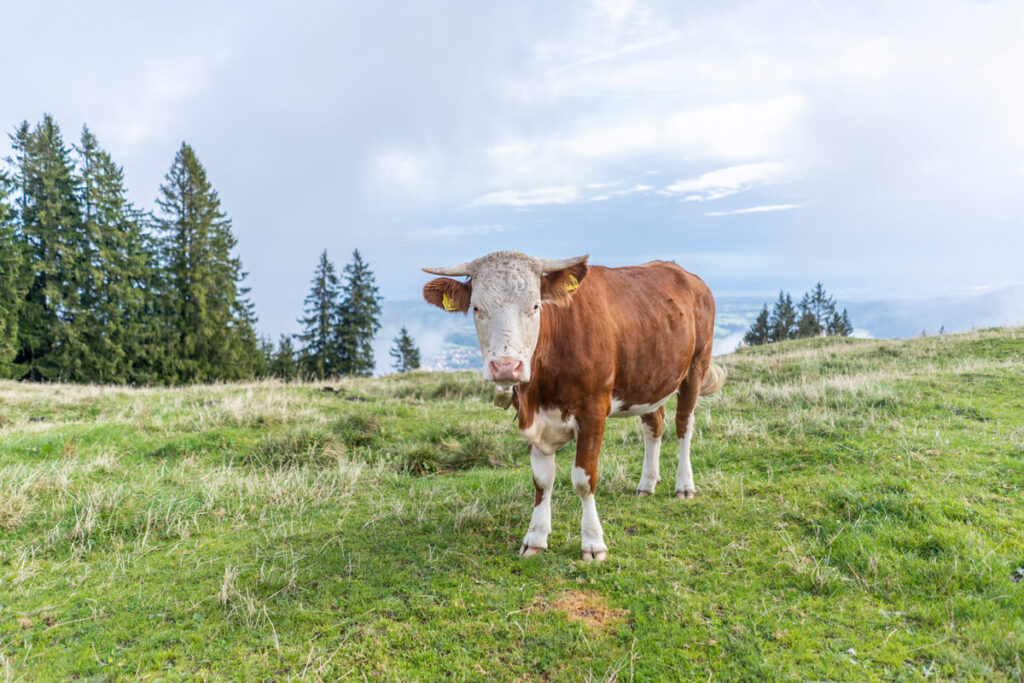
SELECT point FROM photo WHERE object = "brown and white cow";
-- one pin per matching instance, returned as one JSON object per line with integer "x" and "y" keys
{"x": 585, "y": 343}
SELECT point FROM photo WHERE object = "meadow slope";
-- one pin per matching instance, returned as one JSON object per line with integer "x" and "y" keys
{"x": 860, "y": 516}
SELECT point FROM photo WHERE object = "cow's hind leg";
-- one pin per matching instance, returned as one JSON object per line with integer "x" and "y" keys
{"x": 688, "y": 393}
{"x": 652, "y": 424}
{"x": 536, "y": 539}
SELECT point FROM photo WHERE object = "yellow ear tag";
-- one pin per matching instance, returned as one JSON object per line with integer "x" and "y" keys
{"x": 447, "y": 303}
{"x": 572, "y": 284}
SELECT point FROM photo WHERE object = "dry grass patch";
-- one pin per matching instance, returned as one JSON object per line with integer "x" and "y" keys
{"x": 472, "y": 516}
{"x": 589, "y": 607}
{"x": 15, "y": 506}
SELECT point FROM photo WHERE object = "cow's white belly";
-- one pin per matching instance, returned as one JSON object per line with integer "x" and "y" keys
{"x": 620, "y": 409}
{"x": 549, "y": 431}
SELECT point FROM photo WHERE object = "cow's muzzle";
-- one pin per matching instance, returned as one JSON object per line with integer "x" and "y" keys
{"x": 506, "y": 369}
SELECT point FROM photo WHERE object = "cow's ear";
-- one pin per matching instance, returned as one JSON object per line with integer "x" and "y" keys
{"x": 449, "y": 294}
{"x": 557, "y": 287}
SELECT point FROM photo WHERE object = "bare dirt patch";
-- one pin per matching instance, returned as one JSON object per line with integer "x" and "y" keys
{"x": 589, "y": 607}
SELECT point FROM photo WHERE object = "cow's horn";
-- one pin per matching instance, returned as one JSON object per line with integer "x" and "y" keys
{"x": 460, "y": 269}
{"x": 549, "y": 265}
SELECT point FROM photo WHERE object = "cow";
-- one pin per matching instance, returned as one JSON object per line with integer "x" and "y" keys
{"x": 580, "y": 344}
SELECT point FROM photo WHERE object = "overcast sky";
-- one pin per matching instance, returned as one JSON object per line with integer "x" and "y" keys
{"x": 875, "y": 146}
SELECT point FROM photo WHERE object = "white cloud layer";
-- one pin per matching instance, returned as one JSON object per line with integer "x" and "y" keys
{"x": 730, "y": 180}
{"x": 542, "y": 195}
{"x": 755, "y": 209}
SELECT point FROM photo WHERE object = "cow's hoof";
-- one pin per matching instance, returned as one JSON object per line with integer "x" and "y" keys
{"x": 530, "y": 551}
{"x": 685, "y": 493}
{"x": 642, "y": 494}
{"x": 595, "y": 556}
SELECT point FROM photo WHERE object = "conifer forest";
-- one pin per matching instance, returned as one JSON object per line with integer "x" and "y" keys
{"x": 95, "y": 289}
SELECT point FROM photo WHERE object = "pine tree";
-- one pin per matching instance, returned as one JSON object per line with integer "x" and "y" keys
{"x": 807, "y": 325}
{"x": 154, "y": 359}
{"x": 265, "y": 357}
{"x": 57, "y": 254}
{"x": 283, "y": 364}
{"x": 360, "y": 318}
{"x": 839, "y": 325}
{"x": 247, "y": 358}
{"x": 213, "y": 319}
{"x": 405, "y": 352}
{"x": 319, "y": 353}
{"x": 759, "y": 331}
{"x": 117, "y": 323}
{"x": 11, "y": 290}
{"x": 782, "y": 322}
{"x": 821, "y": 305}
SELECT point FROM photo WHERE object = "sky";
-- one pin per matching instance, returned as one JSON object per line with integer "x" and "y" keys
{"x": 877, "y": 147}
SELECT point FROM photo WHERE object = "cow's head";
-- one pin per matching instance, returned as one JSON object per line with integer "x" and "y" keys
{"x": 505, "y": 291}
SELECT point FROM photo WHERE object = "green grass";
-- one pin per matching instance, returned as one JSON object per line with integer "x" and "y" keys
{"x": 860, "y": 517}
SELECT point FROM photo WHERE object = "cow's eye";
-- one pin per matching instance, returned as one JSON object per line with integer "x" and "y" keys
{"x": 476, "y": 310}
{"x": 536, "y": 307}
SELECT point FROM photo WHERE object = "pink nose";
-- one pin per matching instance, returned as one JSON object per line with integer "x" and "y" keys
{"x": 506, "y": 369}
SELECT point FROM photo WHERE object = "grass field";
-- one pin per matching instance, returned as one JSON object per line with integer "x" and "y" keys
{"x": 860, "y": 516}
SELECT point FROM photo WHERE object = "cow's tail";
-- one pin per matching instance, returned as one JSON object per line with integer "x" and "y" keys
{"x": 713, "y": 380}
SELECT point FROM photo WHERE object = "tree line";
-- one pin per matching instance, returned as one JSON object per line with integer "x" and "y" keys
{"x": 340, "y": 322}
{"x": 816, "y": 315}
{"x": 96, "y": 289}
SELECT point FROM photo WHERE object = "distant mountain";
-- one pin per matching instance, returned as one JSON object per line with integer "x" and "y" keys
{"x": 447, "y": 341}
{"x": 909, "y": 317}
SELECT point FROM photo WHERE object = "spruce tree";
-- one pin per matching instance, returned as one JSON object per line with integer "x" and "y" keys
{"x": 265, "y": 347}
{"x": 807, "y": 325}
{"x": 58, "y": 256}
{"x": 822, "y": 305}
{"x": 319, "y": 351}
{"x": 118, "y": 324}
{"x": 360, "y": 318}
{"x": 782, "y": 322}
{"x": 839, "y": 325}
{"x": 283, "y": 364}
{"x": 11, "y": 290}
{"x": 760, "y": 330}
{"x": 213, "y": 320}
{"x": 405, "y": 352}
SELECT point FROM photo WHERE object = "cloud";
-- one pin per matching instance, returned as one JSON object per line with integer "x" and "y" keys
{"x": 756, "y": 209}
{"x": 730, "y": 131}
{"x": 628, "y": 49}
{"x": 620, "y": 193}
{"x": 543, "y": 195}
{"x": 463, "y": 230}
{"x": 730, "y": 180}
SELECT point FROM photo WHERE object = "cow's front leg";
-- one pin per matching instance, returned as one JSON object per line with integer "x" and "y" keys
{"x": 584, "y": 480}
{"x": 536, "y": 539}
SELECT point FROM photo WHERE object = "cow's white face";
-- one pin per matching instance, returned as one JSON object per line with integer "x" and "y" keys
{"x": 504, "y": 295}
{"x": 505, "y": 304}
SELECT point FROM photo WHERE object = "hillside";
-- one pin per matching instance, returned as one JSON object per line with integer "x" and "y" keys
{"x": 861, "y": 516}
